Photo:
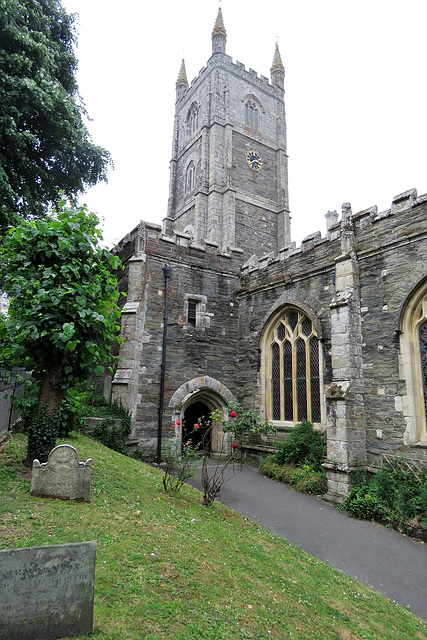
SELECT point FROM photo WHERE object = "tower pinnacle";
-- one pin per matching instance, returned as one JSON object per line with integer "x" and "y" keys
{"x": 219, "y": 34}
{"x": 182, "y": 82}
{"x": 277, "y": 70}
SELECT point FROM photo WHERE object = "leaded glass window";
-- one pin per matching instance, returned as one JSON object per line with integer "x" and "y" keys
{"x": 294, "y": 369}
{"x": 423, "y": 352}
{"x": 192, "y": 313}
{"x": 275, "y": 365}
{"x": 413, "y": 358}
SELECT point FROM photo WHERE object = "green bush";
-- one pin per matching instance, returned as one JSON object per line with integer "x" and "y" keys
{"x": 363, "y": 503}
{"x": 270, "y": 468}
{"x": 304, "y": 445}
{"x": 313, "y": 483}
{"x": 114, "y": 410}
{"x": 110, "y": 435}
{"x": 181, "y": 463}
{"x": 302, "y": 478}
{"x": 392, "y": 495}
{"x": 42, "y": 432}
{"x": 107, "y": 432}
{"x": 69, "y": 417}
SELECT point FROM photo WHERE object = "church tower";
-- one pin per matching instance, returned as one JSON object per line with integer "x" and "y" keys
{"x": 229, "y": 167}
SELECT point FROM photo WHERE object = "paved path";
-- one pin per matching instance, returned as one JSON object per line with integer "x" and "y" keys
{"x": 384, "y": 560}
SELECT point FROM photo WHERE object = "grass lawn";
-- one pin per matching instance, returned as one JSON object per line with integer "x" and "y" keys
{"x": 168, "y": 567}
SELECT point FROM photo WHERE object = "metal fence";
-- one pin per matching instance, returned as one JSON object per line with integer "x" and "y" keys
{"x": 11, "y": 384}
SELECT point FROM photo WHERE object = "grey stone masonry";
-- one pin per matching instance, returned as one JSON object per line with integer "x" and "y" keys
{"x": 212, "y": 136}
{"x": 62, "y": 476}
{"x": 47, "y": 592}
{"x": 201, "y": 274}
{"x": 362, "y": 289}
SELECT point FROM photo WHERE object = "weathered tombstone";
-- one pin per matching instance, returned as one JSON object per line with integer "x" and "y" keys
{"x": 62, "y": 476}
{"x": 47, "y": 592}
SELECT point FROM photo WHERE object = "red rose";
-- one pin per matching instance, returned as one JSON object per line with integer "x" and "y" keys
{"x": 177, "y": 435}
{"x": 173, "y": 426}
{"x": 196, "y": 426}
{"x": 232, "y": 414}
{"x": 235, "y": 445}
{"x": 178, "y": 422}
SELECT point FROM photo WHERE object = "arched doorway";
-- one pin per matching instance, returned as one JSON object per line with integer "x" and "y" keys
{"x": 201, "y": 397}
{"x": 197, "y": 414}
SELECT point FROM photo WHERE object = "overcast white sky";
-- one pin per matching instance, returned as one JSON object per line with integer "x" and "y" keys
{"x": 356, "y": 96}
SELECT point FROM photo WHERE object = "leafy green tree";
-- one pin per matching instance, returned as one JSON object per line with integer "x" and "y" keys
{"x": 63, "y": 314}
{"x": 44, "y": 143}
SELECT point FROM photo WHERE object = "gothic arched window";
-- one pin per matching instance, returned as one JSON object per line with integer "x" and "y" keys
{"x": 193, "y": 119}
{"x": 251, "y": 114}
{"x": 413, "y": 359}
{"x": 292, "y": 365}
{"x": 422, "y": 336}
{"x": 190, "y": 178}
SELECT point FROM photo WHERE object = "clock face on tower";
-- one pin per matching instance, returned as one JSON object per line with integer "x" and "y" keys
{"x": 254, "y": 161}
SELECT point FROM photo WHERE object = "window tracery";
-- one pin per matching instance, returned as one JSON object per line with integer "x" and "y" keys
{"x": 193, "y": 119}
{"x": 413, "y": 360}
{"x": 292, "y": 368}
{"x": 422, "y": 334}
{"x": 251, "y": 114}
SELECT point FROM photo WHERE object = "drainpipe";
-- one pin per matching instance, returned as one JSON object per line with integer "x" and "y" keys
{"x": 167, "y": 270}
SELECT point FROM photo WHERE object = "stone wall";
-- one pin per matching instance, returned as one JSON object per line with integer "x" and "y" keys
{"x": 209, "y": 349}
{"x": 392, "y": 252}
{"x": 354, "y": 284}
{"x": 388, "y": 253}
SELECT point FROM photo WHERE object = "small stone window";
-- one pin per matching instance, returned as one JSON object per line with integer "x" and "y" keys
{"x": 190, "y": 178}
{"x": 195, "y": 315}
{"x": 251, "y": 114}
{"x": 193, "y": 119}
{"x": 192, "y": 313}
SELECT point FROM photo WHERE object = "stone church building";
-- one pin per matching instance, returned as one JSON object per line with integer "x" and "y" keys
{"x": 333, "y": 331}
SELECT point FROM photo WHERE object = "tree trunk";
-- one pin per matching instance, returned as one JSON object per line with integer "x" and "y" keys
{"x": 50, "y": 393}
{"x": 42, "y": 431}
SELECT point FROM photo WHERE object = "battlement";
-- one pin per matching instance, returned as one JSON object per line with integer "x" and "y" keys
{"x": 236, "y": 67}
{"x": 249, "y": 74}
{"x": 147, "y": 237}
{"x": 393, "y": 225}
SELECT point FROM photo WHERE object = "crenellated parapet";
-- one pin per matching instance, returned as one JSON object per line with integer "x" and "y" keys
{"x": 236, "y": 68}
{"x": 364, "y": 232}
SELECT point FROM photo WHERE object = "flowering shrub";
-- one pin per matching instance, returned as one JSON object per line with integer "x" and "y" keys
{"x": 180, "y": 465}
{"x": 243, "y": 424}
{"x": 240, "y": 424}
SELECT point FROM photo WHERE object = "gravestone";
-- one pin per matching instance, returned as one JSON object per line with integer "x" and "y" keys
{"x": 62, "y": 476}
{"x": 46, "y": 593}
